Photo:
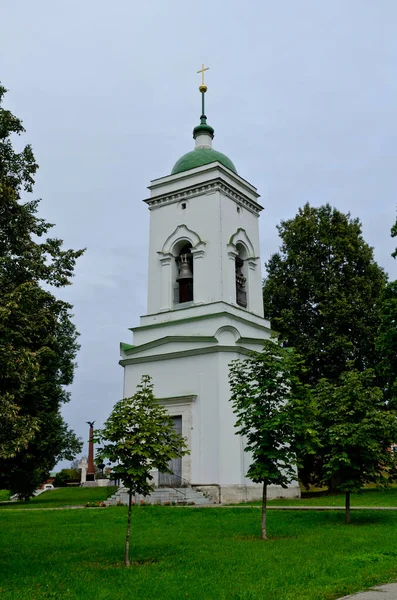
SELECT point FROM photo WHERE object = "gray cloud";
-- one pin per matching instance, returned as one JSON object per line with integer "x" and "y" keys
{"x": 302, "y": 96}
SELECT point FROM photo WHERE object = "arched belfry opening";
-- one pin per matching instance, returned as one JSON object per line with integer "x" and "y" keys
{"x": 241, "y": 276}
{"x": 184, "y": 278}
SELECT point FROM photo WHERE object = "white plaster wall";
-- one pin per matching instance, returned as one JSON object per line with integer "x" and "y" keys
{"x": 201, "y": 216}
{"x": 172, "y": 184}
{"x": 231, "y": 221}
{"x": 196, "y": 386}
{"x": 182, "y": 312}
{"x": 215, "y": 449}
{"x": 251, "y": 327}
{"x": 213, "y": 216}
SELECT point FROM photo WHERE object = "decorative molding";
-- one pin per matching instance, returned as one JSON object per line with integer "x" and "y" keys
{"x": 168, "y": 340}
{"x": 227, "y": 329}
{"x": 209, "y": 188}
{"x": 224, "y": 313}
{"x": 198, "y": 251}
{"x": 166, "y": 259}
{"x": 232, "y": 252}
{"x": 188, "y": 399}
{"x": 253, "y": 262}
{"x": 184, "y": 353}
{"x": 182, "y": 232}
{"x": 250, "y": 340}
{"x": 241, "y": 237}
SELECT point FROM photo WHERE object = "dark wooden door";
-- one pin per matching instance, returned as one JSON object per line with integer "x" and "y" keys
{"x": 173, "y": 479}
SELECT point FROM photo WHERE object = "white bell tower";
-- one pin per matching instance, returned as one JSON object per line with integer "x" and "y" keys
{"x": 204, "y": 310}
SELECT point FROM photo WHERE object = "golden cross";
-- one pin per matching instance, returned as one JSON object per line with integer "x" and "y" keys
{"x": 202, "y": 73}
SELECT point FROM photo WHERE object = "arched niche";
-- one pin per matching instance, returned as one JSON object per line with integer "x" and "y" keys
{"x": 181, "y": 234}
{"x": 227, "y": 335}
{"x": 241, "y": 237}
{"x": 241, "y": 251}
{"x": 178, "y": 254}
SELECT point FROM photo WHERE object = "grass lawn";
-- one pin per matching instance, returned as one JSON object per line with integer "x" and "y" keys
{"x": 201, "y": 554}
{"x": 4, "y": 495}
{"x": 73, "y": 496}
{"x": 368, "y": 497}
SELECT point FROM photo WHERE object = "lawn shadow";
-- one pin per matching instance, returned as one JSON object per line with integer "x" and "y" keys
{"x": 109, "y": 566}
{"x": 367, "y": 518}
{"x": 270, "y": 538}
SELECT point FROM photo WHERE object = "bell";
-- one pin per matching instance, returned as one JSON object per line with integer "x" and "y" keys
{"x": 185, "y": 269}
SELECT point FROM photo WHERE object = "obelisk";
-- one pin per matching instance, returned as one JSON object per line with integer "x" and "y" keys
{"x": 91, "y": 468}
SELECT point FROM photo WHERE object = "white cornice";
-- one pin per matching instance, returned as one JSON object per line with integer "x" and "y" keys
{"x": 191, "y": 173}
{"x": 217, "y": 185}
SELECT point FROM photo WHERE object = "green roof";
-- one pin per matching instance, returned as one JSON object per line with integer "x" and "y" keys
{"x": 199, "y": 157}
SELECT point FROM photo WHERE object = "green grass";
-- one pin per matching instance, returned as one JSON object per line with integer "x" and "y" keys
{"x": 4, "y": 495}
{"x": 73, "y": 496}
{"x": 368, "y": 497}
{"x": 199, "y": 554}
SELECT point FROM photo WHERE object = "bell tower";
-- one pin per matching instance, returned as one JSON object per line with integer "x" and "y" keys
{"x": 204, "y": 310}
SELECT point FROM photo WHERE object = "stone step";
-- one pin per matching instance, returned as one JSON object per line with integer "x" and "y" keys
{"x": 163, "y": 495}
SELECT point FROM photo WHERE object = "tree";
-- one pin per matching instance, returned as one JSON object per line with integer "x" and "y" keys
{"x": 322, "y": 291}
{"x": 66, "y": 475}
{"x": 274, "y": 412}
{"x": 139, "y": 436}
{"x": 356, "y": 433}
{"x": 38, "y": 342}
{"x": 386, "y": 344}
{"x": 393, "y": 232}
{"x": 386, "y": 339}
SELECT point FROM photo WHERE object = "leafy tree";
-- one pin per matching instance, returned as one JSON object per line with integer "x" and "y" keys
{"x": 66, "y": 475}
{"x": 274, "y": 412}
{"x": 386, "y": 340}
{"x": 322, "y": 290}
{"x": 386, "y": 343}
{"x": 139, "y": 436}
{"x": 356, "y": 433}
{"x": 38, "y": 341}
{"x": 394, "y": 234}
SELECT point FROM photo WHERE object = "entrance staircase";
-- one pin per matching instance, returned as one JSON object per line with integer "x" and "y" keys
{"x": 163, "y": 495}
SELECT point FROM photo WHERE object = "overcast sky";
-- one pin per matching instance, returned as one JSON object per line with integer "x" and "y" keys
{"x": 302, "y": 95}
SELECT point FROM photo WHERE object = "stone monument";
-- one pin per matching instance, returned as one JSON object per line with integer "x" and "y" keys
{"x": 91, "y": 468}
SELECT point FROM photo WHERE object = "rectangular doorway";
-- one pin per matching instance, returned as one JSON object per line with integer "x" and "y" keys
{"x": 173, "y": 479}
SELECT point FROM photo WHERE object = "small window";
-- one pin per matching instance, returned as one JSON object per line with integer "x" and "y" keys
{"x": 183, "y": 205}
{"x": 238, "y": 209}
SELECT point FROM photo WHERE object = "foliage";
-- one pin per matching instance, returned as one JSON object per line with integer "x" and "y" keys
{"x": 356, "y": 433}
{"x": 66, "y": 475}
{"x": 4, "y": 495}
{"x": 38, "y": 340}
{"x": 274, "y": 412}
{"x": 194, "y": 553}
{"x": 386, "y": 343}
{"x": 394, "y": 234}
{"x": 321, "y": 292}
{"x": 139, "y": 437}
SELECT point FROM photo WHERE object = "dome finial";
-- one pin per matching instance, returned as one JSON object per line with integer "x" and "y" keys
{"x": 203, "y": 128}
{"x": 203, "y": 87}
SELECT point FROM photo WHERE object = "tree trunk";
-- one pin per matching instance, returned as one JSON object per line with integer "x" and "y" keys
{"x": 347, "y": 505}
{"x": 264, "y": 495}
{"x": 127, "y": 539}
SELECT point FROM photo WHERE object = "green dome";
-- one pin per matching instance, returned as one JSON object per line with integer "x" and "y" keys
{"x": 199, "y": 157}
